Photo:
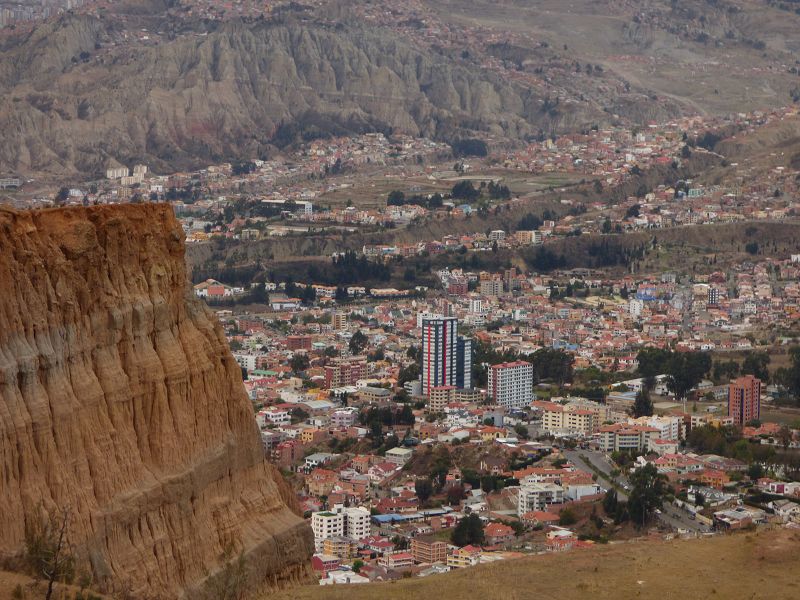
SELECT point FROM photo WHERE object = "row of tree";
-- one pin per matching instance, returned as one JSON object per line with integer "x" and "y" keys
{"x": 684, "y": 370}
{"x": 548, "y": 363}
{"x": 648, "y": 489}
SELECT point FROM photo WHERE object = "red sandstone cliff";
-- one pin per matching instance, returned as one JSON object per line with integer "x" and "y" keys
{"x": 120, "y": 399}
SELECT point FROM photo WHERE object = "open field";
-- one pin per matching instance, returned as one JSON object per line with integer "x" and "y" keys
{"x": 734, "y": 567}
{"x": 780, "y": 414}
{"x": 369, "y": 190}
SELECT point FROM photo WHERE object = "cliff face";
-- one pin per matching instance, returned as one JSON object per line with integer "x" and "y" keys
{"x": 120, "y": 399}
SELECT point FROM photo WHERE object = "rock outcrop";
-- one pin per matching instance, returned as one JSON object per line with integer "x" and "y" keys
{"x": 119, "y": 399}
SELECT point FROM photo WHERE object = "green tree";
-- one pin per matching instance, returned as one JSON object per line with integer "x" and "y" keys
{"x": 553, "y": 364}
{"x": 62, "y": 195}
{"x": 408, "y": 373}
{"x": 299, "y": 363}
{"x": 648, "y": 490}
{"x": 423, "y": 489}
{"x": 455, "y": 494}
{"x": 396, "y": 198}
{"x": 792, "y": 373}
{"x": 755, "y": 471}
{"x": 653, "y": 362}
{"x": 567, "y": 517}
{"x": 607, "y": 225}
{"x": 468, "y": 531}
{"x": 756, "y": 364}
{"x": 298, "y": 415}
{"x": 642, "y": 405}
{"x": 610, "y": 502}
{"x": 685, "y": 370}
{"x": 357, "y": 564}
{"x": 258, "y": 293}
{"x": 48, "y": 550}
{"x": 442, "y": 463}
{"x": 464, "y": 190}
{"x": 358, "y": 342}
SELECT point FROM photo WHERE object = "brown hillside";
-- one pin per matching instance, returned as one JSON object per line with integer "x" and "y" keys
{"x": 120, "y": 400}
{"x": 735, "y": 567}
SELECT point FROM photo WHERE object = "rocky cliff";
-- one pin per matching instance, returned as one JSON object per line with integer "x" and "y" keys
{"x": 120, "y": 399}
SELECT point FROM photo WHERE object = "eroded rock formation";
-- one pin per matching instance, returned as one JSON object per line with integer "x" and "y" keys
{"x": 119, "y": 399}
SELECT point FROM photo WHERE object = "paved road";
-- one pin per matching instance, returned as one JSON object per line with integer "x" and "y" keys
{"x": 672, "y": 515}
{"x": 599, "y": 461}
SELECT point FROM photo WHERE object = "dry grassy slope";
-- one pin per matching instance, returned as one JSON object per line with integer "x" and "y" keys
{"x": 736, "y": 567}
{"x": 667, "y": 58}
{"x": 777, "y": 144}
{"x": 37, "y": 589}
{"x": 680, "y": 247}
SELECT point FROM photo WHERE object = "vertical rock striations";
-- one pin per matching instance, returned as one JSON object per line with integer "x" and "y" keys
{"x": 120, "y": 399}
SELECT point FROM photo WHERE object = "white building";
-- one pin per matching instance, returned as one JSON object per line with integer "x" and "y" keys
{"x": 356, "y": 525}
{"x": 537, "y": 496}
{"x": 352, "y": 523}
{"x": 301, "y": 207}
{"x": 116, "y": 172}
{"x": 635, "y": 307}
{"x": 622, "y": 437}
{"x": 326, "y": 525}
{"x": 273, "y": 415}
{"x": 246, "y": 361}
{"x": 399, "y": 456}
{"x": 511, "y": 384}
{"x": 669, "y": 428}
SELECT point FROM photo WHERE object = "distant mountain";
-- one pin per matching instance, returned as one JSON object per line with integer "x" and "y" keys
{"x": 234, "y": 90}
{"x": 147, "y": 81}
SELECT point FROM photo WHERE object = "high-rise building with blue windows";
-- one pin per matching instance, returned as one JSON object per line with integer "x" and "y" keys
{"x": 446, "y": 356}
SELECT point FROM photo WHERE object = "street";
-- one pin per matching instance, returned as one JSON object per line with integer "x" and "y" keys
{"x": 597, "y": 462}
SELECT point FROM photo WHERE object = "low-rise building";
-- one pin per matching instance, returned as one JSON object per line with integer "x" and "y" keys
{"x": 468, "y": 556}
{"x": 565, "y": 419}
{"x": 497, "y": 533}
{"x": 341, "y": 547}
{"x": 534, "y": 496}
{"x": 428, "y": 550}
{"x": 399, "y": 455}
{"x": 396, "y": 560}
{"x": 622, "y": 437}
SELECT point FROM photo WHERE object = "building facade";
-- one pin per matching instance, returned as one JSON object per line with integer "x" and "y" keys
{"x": 511, "y": 384}
{"x": 341, "y": 522}
{"x": 428, "y": 550}
{"x": 538, "y": 496}
{"x": 345, "y": 372}
{"x": 446, "y": 356}
{"x": 744, "y": 399}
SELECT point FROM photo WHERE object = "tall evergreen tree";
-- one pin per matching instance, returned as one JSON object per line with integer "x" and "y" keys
{"x": 643, "y": 405}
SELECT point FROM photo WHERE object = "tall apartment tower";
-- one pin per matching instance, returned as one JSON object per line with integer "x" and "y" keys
{"x": 446, "y": 356}
{"x": 744, "y": 399}
{"x": 511, "y": 384}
